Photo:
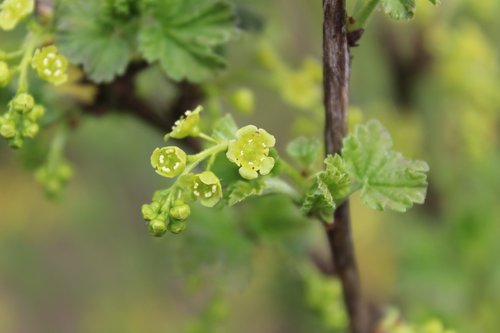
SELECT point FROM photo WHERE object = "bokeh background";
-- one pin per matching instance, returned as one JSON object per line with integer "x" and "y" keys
{"x": 85, "y": 263}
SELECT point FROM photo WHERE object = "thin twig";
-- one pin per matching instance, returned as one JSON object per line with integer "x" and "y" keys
{"x": 336, "y": 68}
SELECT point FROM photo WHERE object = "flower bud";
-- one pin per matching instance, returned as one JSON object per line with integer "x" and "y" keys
{"x": 8, "y": 129}
{"x": 23, "y": 103}
{"x": 149, "y": 212}
{"x": 176, "y": 227}
{"x": 243, "y": 100}
{"x": 180, "y": 211}
{"x": 30, "y": 129}
{"x": 157, "y": 228}
{"x": 36, "y": 113}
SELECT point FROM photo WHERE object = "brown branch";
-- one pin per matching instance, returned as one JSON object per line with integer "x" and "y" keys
{"x": 336, "y": 70}
{"x": 121, "y": 96}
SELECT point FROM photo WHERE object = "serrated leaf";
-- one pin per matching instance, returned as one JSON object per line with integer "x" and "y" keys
{"x": 399, "y": 9}
{"x": 304, "y": 150}
{"x": 329, "y": 187}
{"x": 87, "y": 37}
{"x": 241, "y": 190}
{"x": 183, "y": 36}
{"x": 386, "y": 178}
{"x": 336, "y": 177}
{"x": 319, "y": 200}
{"x": 225, "y": 128}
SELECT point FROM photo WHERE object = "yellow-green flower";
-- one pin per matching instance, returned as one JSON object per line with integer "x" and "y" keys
{"x": 250, "y": 151}
{"x": 207, "y": 188}
{"x": 168, "y": 161}
{"x": 13, "y": 11}
{"x": 50, "y": 65}
{"x": 187, "y": 125}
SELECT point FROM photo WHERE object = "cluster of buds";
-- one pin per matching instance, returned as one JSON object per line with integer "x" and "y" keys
{"x": 21, "y": 120}
{"x": 13, "y": 11}
{"x": 54, "y": 176}
{"x": 170, "y": 208}
{"x": 163, "y": 215}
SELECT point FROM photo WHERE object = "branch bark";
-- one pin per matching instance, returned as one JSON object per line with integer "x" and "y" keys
{"x": 336, "y": 71}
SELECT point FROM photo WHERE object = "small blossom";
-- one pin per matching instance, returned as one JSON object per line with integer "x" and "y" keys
{"x": 50, "y": 65}
{"x": 187, "y": 125}
{"x": 12, "y": 11}
{"x": 250, "y": 151}
{"x": 206, "y": 187}
{"x": 168, "y": 161}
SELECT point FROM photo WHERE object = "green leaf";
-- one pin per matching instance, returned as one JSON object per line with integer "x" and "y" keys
{"x": 241, "y": 190}
{"x": 386, "y": 178}
{"x": 400, "y": 9}
{"x": 319, "y": 200}
{"x": 329, "y": 187}
{"x": 183, "y": 36}
{"x": 87, "y": 36}
{"x": 225, "y": 128}
{"x": 304, "y": 150}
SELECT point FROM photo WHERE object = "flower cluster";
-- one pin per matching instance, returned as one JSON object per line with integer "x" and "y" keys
{"x": 13, "y": 11}
{"x": 170, "y": 208}
{"x": 54, "y": 176}
{"x": 21, "y": 119}
{"x": 50, "y": 65}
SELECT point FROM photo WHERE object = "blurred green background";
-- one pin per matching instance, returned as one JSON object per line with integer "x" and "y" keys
{"x": 87, "y": 264}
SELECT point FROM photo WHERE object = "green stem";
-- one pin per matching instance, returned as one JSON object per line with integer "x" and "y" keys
{"x": 29, "y": 48}
{"x": 277, "y": 185}
{"x": 11, "y": 55}
{"x": 57, "y": 147}
{"x": 207, "y": 137}
{"x": 362, "y": 12}
{"x": 197, "y": 158}
{"x": 293, "y": 173}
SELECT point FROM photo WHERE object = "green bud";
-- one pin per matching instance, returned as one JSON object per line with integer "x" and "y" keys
{"x": 8, "y": 129}
{"x": 36, "y": 113}
{"x": 180, "y": 211}
{"x": 149, "y": 212}
{"x": 23, "y": 103}
{"x": 64, "y": 171}
{"x": 168, "y": 161}
{"x": 4, "y": 74}
{"x": 16, "y": 142}
{"x": 157, "y": 228}
{"x": 176, "y": 227}
{"x": 30, "y": 130}
{"x": 243, "y": 100}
